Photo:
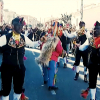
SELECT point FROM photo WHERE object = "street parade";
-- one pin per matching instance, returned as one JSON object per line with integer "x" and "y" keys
{"x": 54, "y": 60}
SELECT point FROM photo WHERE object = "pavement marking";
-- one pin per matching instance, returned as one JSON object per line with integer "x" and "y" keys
{"x": 40, "y": 68}
{"x": 33, "y": 52}
{"x": 53, "y": 92}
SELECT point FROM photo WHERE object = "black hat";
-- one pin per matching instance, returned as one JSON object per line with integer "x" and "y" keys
{"x": 81, "y": 23}
{"x": 97, "y": 24}
{"x": 97, "y": 29}
{"x": 18, "y": 20}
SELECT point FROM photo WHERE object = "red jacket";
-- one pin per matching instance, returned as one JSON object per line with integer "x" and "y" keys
{"x": 57, "y": 52}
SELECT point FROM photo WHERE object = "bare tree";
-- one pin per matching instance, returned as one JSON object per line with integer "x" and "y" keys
{"x": 66, "y": 19}
{"x": 40, "y": 25}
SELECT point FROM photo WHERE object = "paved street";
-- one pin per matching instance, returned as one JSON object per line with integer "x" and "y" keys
{"x": 68, "y": 88}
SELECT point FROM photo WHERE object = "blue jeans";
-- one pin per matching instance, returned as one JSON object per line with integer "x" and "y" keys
{"x": 52, "y": 70}
{"x": 67, "y": 48}
{"x": 45, "y": 73}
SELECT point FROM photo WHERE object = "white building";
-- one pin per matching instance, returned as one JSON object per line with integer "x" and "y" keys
{"x": 8, "y": 16}
{"x": 30, "y": 20}
{"x": 91, "y": 14}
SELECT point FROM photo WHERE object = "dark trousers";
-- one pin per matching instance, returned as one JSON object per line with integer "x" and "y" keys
{"x": 9, "y": 72}
{"x": 79, "y": 54}
{"x": 94, "y": 70}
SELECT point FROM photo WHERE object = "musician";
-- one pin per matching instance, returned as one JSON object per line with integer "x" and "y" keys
{"x": 94, "y": 62}
{"x": 84, "y": 54}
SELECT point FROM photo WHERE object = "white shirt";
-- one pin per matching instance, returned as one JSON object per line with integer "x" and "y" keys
{"x": 85, "y": 45}
{"x": 88, "y": 35}
{"x": 26, "y": 33}
{"x": 72, "y": 35}
{"x": 35, "y": 44}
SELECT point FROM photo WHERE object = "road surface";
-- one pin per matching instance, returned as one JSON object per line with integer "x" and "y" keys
{"x": 68, "y": 88}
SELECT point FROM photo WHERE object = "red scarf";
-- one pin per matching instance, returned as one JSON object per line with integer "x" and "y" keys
{"x": 97, "y": 42}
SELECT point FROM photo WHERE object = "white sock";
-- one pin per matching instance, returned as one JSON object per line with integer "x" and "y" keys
{"x": 65, "y": 60}
{"x": 58, "y": 59}
{"x": 16, "y": 96}
{"x": 5, "y": 97}
{"x": 92, "y": 93}
{"x": 77, "y": 69}
{"x": 85, "y": 71}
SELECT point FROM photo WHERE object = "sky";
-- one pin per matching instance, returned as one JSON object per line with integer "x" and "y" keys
{"x": 42, "y": 9}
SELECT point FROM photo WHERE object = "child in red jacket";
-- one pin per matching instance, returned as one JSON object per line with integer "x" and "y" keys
{"x": 52, "y": 71}
{"x": 48, "y": 57}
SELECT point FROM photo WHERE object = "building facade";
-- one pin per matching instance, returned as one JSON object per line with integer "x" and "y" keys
{"x": 30, "y": 21}
{"x": 8, "y": 16}
{"x": 91, "y": 14}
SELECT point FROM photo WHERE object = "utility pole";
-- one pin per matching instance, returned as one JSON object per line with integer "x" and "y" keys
{"x": 81, "y": 10}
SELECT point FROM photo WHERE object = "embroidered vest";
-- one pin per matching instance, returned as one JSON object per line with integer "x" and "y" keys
{"x": 12, "y": 53}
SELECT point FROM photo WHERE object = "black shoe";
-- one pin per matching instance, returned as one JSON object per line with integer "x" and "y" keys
{"x": 53, "y": 88}
{"x": 85, "y": 78}
{"x": 76, "y": 76}
{"x": 68, "y": 57}
{"x": 65, "y": 65}
{"x": 45, "y": 82}
{"x": 0, "y": 93}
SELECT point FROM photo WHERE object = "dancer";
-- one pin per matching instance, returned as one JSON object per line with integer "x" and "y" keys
{"x": 84, "y": 54}
{"x": 64, "y": 41}
{"x": 12, "y": 63}
{"x": 94, "y": 63}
